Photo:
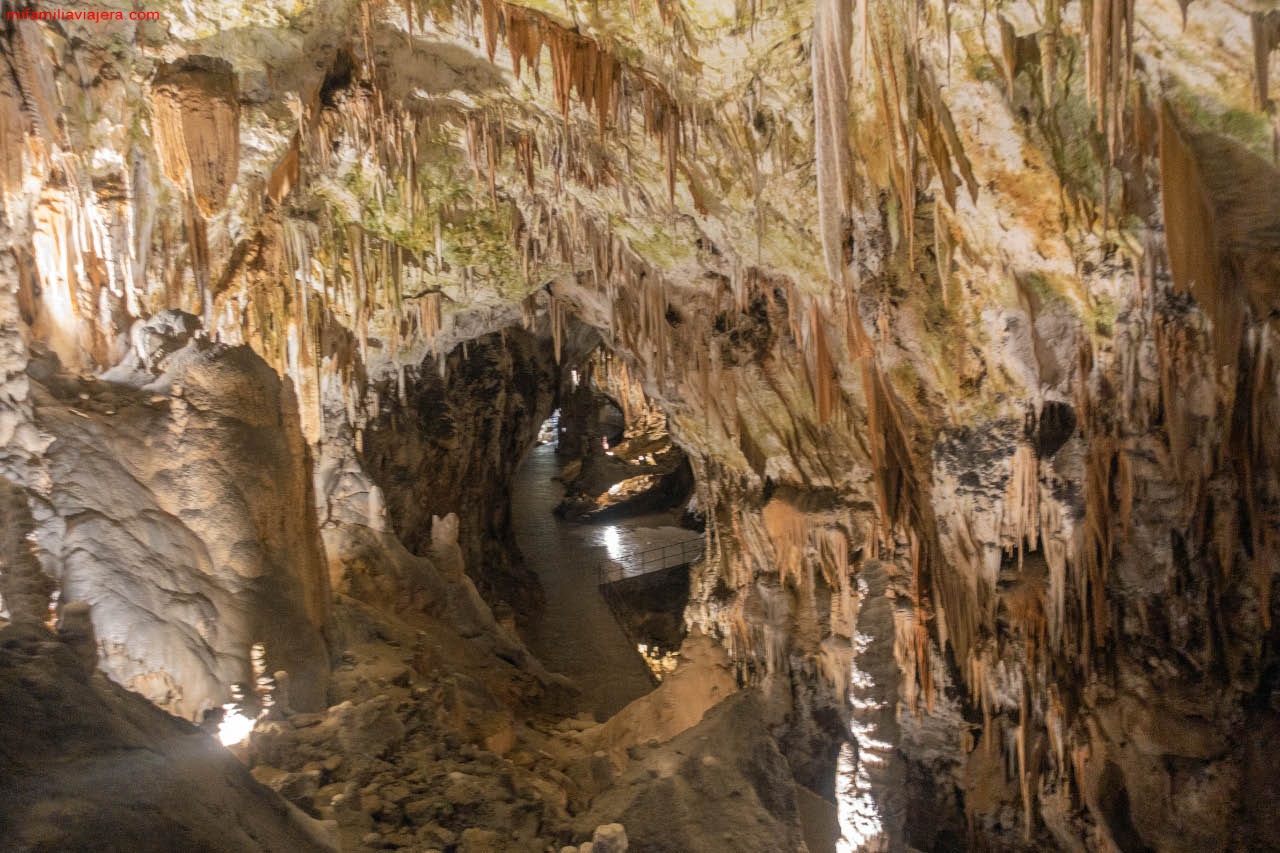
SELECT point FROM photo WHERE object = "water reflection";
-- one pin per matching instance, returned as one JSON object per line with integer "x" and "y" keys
{"x": 612, "y": 542}
{"x": 631, "y": 536}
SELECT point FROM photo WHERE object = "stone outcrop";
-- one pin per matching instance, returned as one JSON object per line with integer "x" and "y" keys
{"x": 702, "y": 680}
{"x": 720, "y": 785}
{"x": 88, "y": 765}
{"x": 175, "y": 516}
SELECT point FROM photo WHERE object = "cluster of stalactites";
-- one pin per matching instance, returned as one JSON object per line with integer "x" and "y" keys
{"x": 912, "y": 113}
{"x": 832, "y": 33}
{"x": 1109, "y": 25}
{"x": 614, "y": 376}
{"x": 778, "y": 627}
{"x": 1064, "y": 621}
{"x": 603, "y": 83}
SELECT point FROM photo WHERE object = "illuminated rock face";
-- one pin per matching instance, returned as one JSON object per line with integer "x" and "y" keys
{"x": 988, "y": 354}
{"x": 183, "y": 519}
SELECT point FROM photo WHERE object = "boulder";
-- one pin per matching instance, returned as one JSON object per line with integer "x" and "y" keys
{"x": 88, "y": 765}
{"x": 609, "y": 838}
{"x": 370, "y": 729}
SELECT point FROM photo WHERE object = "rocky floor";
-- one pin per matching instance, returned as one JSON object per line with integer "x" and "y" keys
{"x": 429, "y": 745}
{"x": 421, "y": 757}
{"x": 87, "y": 765}
{"x": 440, "y": 731}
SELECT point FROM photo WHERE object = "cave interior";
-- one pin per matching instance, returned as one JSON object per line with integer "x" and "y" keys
{"x": 471, "y": 426}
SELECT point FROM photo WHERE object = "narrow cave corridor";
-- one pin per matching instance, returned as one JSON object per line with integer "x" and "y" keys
{"x": 575, "y": 633}
{"x": 938, "y": 341}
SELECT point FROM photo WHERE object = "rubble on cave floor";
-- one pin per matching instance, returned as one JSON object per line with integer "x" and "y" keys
{"x": 422, "y": 752}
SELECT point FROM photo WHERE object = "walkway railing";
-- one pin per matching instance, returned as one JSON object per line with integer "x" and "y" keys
{"x": 655, "y": 559}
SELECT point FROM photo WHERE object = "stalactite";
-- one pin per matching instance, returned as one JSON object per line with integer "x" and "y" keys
{"x": 830, "y": 61}
{"x": 1021, "y": 521}
{"x": 1265, "y": 27}
{"x": 1050, "y": 39}
{"x": 958, "y": 608}
{"x": 284, "y": 177}
{"x": 1025, "y": 781}
{"x": 1095, "y": 549}
{"x": 920, "y": 618}
{"x": 941, "y": 141}
{"x": 1110, "y": 28}
{"x": 1056, "y": 558}
{"x": 603, "y": 83}
{"x": 1191, "y": 236}
{"x": 197, "y": 131}
{"x": 821, "y": 368}
{"x": 1024, "y": 605}
{"x": 788, "y": 530}
{"x": 883, "y": 41}
{"x": 430, "y": 317}
{"x": 556, "y": 312}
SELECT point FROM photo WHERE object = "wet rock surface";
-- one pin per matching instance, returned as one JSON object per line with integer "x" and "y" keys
{"x": 576, "y": 634}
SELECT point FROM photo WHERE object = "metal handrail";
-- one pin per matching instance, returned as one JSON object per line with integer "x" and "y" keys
{"x": 643, "y": 562}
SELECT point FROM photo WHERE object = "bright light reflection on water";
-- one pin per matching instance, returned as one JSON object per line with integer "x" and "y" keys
{"x": 624, "y": 541}
{"x": 612, "y": 542}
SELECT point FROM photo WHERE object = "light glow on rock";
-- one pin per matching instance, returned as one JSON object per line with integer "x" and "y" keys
{"x": 235, "y": 726}
{"x": 858, "y": 813}
{"x": 857, "y": 803}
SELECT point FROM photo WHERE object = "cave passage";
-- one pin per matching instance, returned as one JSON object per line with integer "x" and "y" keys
{"x": 576, "y": 633}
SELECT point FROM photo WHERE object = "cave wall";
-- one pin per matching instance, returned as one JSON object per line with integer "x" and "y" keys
{"x": 182, "y": 519}
{"x": 452, "y": 443}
